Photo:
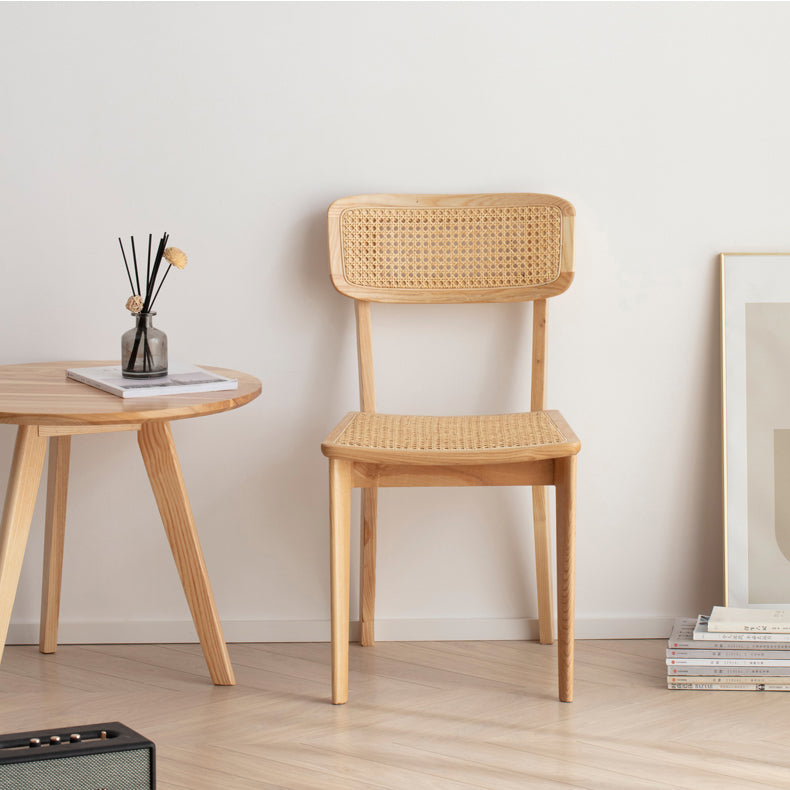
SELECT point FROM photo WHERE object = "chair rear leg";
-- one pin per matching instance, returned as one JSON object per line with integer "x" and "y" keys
{"x": 565, "y": 480}
{"x": 340, "y": 568}
{"x": 367, "y": 566}
{"x": 540, "y": 521}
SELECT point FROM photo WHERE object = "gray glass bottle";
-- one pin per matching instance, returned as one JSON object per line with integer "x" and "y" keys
{"x": 144, "y": 349}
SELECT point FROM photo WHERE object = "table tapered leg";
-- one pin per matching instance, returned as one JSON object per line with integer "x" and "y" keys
{"x": 164, "y": 472}
{"x": 20, "y": 499}
{"x": 54, "y": 537}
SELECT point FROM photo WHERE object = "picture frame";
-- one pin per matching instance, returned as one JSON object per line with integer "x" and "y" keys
{"x": 755, "y": 323}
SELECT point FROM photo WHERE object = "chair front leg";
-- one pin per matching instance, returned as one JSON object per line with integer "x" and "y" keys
{"x": 339, "y": 572}
{"x": 565, "y": 480}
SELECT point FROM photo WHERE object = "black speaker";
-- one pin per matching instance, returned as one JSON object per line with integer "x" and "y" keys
{"x": 106, "y": 756}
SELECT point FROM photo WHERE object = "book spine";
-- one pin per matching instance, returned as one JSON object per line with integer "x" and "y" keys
{"x": 732, "y": 636}
{"x": 731, "y": 671}
{"x": 729, "y": 679}
{"x": 757, "y": 652}
{"x": 733, "y": 626}
{"x": 682, "y": 632}
{"x": 709, "y": 643}
{"x": 179, "y": 389}
{"x": 727, "y": 687}
{"x": 93, "y": 383}
{"x": 729, "y": 662}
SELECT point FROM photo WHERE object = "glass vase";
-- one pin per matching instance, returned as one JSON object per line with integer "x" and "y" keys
{"x": 144, "y": 349}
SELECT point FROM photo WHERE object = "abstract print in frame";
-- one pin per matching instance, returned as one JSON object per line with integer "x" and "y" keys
{"x": 756, "y": 428}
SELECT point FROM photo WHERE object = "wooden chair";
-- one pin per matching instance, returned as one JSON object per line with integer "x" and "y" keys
{"x": 450, "y": 249}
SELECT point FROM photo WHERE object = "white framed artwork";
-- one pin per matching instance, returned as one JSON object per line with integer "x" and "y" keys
{"x": 756, "y": 428}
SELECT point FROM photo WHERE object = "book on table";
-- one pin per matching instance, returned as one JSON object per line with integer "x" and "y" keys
{"x": 180, "y": 379}
{"x": 699, "y": 660}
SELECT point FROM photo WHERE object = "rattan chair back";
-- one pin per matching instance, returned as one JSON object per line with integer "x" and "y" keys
{"x": 456, "y": 248}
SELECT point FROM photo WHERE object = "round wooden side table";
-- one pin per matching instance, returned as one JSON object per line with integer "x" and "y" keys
{"x": 45, "y": 404}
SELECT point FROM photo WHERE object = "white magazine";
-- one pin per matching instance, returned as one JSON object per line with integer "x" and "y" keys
{"x": 180, "y": 379}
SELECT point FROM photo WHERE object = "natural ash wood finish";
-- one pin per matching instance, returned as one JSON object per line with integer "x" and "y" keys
{"x": 369, "y": 505}
{"x": 543, "y": 573}
{"x": 54, "y": 539}
{"x": 540, "y": 512}
{"x": 566, "y": 563}
{"x": 40, "y": 394}
{"x": 367, "y": 565}
{"x": 43, "y": 402}
{"x": 164, "y": 472}
{"x": 534, "y": 473}
{"x": 445, "y": 249}
{"x": 20, "y": 499}
{"x": 539, "y": 355}
{"x": 367, "y": 388}
{"x": 340, "y": 572}
{"x": 80, "y": 430}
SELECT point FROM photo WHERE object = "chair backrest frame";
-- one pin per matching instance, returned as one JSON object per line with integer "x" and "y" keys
{"x": 538, "y": 294}
{"x": 379, "y": 246}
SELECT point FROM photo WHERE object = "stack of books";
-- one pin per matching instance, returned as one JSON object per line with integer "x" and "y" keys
{"x": 731, "y": 650}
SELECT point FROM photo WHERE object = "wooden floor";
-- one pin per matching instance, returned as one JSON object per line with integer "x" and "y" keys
{"x": 420, "y": 715}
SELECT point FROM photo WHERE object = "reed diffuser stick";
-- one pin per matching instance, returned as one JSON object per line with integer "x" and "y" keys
{"x": 148, "y": 269}
{"x": 128, "y": 273}
{"x": 136, "y": 273}
{"x": 162, "y": 282}
{"x": 155, "y": 272}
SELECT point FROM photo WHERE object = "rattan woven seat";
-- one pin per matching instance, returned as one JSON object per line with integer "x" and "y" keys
{"x": 451, "y": 249}
{"x": 366, "y": 436}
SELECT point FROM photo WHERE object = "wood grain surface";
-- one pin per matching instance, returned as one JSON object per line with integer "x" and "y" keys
{"x": 164, "y": 472}
{"x": 54, "y": 540}
{"x": 41, "y": 394}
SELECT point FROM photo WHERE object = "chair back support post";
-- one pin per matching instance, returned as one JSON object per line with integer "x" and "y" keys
{"x": 539, "y": 349}
{"x": 367, "y": 390}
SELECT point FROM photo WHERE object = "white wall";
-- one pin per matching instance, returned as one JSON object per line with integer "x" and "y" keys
{"x": 233, "y": 126}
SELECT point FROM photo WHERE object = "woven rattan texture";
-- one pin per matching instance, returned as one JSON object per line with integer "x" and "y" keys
{"x": 487, "y": 247}
{"x": 489, "y": 432}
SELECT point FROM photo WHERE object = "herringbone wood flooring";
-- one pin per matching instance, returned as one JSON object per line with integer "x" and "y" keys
{"x": 420, "y": 715}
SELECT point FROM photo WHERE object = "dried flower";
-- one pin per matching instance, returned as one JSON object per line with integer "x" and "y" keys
{"x": 134, "y": 304}
{"x": 176, "y": 257}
